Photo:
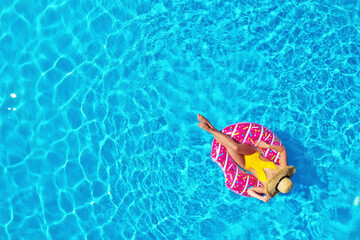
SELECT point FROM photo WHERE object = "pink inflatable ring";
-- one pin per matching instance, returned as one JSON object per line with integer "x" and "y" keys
{"x": 237, "y": 179}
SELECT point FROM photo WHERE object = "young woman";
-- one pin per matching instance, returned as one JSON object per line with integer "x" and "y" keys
{"x": 275, "y": 178}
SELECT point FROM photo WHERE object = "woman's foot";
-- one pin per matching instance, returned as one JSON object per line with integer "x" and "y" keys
{"x": 201, "y": 118}
{"x": 205, "y": 126}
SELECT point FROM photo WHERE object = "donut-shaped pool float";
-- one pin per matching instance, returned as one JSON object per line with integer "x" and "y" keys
{"x": 237, "y": 179}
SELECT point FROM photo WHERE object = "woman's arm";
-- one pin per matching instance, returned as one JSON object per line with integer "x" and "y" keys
{"x": 255, "y": 193}
{"x": 280, "y": 149}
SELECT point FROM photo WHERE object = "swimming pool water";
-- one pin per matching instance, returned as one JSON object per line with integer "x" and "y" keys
{"x": 100, "y": 137}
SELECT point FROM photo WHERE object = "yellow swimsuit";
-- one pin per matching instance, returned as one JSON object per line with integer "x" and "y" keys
{"x": 254, "y": 161}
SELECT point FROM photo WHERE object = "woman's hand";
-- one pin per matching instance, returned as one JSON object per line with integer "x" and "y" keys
{"x": 262, "y": 144}
{"x": 266, "y": 198}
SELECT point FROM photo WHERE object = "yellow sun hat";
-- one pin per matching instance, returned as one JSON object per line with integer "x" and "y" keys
{"x": 281, "y": 182}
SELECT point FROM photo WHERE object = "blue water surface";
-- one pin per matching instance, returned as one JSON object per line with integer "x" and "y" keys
{"x": 99, "y": 135}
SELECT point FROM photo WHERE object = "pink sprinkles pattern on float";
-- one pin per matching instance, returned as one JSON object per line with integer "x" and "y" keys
{"x": 237, "y": 179}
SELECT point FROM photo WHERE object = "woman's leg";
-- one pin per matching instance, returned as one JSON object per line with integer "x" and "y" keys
{"x": 235, "y": 149}
{"x": 232, "y": 144}
{"x": 238, "y": 158}
{"x": 226, "y": 140}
